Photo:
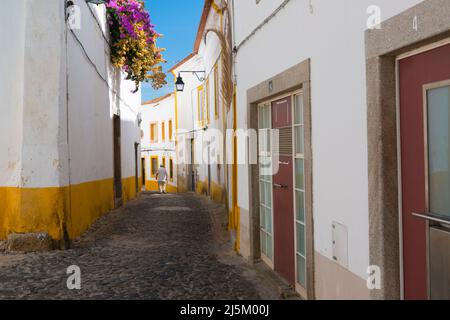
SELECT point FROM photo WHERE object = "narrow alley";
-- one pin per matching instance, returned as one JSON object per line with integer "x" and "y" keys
{"x": 157, "y": 247}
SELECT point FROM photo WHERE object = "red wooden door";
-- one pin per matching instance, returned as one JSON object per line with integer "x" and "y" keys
{"x": 283, "y": 201}
{"x": 414, "y": 73}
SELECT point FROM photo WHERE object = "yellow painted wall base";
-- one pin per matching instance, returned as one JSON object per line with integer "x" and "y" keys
{"x": 152, "y": 185}
{"x": 217, "y": 193}
{"x": 89, "y": 201}
{"x": 202, "y": 187}
{"x": 234, "y": 224}
{"x": 33, "y": 210}
{"x": 50, "y": 209}
{"x": 129, "y": 189}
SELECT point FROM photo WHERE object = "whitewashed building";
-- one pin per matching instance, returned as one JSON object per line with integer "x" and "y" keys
{"x": 70, "y": 125}
{"x": 158, "y": 141}
{"x": 355, "y": 209}
{"x": 201, "y": 113}
{"x": 315, "y": 62}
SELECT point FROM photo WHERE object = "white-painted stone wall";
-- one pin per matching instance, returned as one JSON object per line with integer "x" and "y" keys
{"x": 331, "y": 33}
{"x": 93, "y": 102}
{"x": 188, "y": 126}
{"x": 159, "y": 112}
{"x": 209, "y": 50}
{"x": 12, "y": 77}
{"x": 34, "y": 121}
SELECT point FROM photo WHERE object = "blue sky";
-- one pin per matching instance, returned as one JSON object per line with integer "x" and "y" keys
{"x": 178, "y": 21}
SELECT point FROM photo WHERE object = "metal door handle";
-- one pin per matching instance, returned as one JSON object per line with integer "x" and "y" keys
{"x": 429, "y": 216}
{"x": 282, "y": 186}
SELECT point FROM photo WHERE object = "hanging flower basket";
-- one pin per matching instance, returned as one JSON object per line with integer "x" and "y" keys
{"x": 133, "y": 42}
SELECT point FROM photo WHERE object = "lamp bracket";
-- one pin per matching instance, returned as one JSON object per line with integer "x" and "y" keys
{"x": 198, "y": 74}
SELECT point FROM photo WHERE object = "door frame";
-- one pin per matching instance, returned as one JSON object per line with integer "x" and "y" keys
{"x": 399, "y": 152}
{"x": 286, "y": 83}
{"x": 117, "y": 160}
{"x": 136, "y": 157}
{"x": 143, "y": 171}
{"x": 396, "y": 39}
{"x": 266, "y": 260}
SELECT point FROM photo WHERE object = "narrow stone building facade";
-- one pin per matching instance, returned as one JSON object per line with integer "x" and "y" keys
{"x": 70, "y": 127}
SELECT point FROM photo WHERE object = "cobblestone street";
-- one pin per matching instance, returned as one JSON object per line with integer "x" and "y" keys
{"x": 157, "y": 247}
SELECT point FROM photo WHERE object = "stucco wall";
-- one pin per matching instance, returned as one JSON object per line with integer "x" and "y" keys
{"x": 332, "y": 35}
{"x": 57, "y": 127}
{"x": 159, "y": 112}
{"x": 11, "y": 91}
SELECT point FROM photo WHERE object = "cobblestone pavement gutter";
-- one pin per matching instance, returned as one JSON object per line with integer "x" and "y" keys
{"x": 156, "y": 247}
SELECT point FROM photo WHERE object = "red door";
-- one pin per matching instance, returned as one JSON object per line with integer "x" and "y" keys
{"x": 415, "y": 73}
{"x": 283, "y": 201}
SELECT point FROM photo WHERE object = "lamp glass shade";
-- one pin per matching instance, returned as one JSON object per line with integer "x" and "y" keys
{"x": 179, "y": 84}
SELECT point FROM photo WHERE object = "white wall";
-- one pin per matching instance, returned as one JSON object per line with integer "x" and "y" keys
{"x": 187, "y": 111}
{"x": 210, "y": 51}
{"x": 93, "y": 102}
{"x": 11, "y": 91}
{"x": 159, "y": 112}
{"x": 34, "y": 105}
{"x": 333, "y": 37}
{"x": 32, "y": 92}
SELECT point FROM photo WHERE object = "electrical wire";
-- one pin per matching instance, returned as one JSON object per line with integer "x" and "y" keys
{"x": 98, "y": 24}
{"x": 94, "y": 66}
{"x": 262, "y": 24}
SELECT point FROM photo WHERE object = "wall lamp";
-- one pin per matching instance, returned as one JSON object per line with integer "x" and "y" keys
{"x": 180, "y": 83}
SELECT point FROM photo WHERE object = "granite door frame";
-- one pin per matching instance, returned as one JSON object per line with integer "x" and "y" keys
{"x": 289, "y": 81}
{"x": 422, "y": 26}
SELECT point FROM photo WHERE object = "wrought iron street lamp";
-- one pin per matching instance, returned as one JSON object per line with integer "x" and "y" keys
{"x": 180, "y": 83}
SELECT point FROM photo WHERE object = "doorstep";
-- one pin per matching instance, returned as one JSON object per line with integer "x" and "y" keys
{"x": 286, "y": 292}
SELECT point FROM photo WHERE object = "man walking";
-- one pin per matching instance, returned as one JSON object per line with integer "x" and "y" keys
{"x": 162, "y": 178}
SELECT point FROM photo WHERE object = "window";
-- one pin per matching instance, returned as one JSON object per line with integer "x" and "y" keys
{"x": 265, "y": 181}
{"x": 201, "y": 105}
{"x": 153, "y": 166}
{"x": 153, "y": 132}
{"x": 163, "y": 131}
{"x": 216, "y": 91}
{"x": 170, "y": 130}
{"x": 164, "y": 161}
{"x": 300, "y": 220}
{"x": 207, "y": 111}
{"x": 171, "y": 169}
{"x": 438, "y": 124}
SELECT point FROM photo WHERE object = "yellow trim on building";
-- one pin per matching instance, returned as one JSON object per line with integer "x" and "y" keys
{"x": 217, "y": 193}
{"x": 200, "y": 106}
{"x": 207, "y": 96}
{"x": 236, "y": 211}
{"x": 152, "y": 185}
{"x": 153, "y": 172}
{"x": 171, "y": 168}
{"x": 163, "y": 131}
{"x": 216, "y": 91}
{"x": 33, "y": 210}
{"x": 170, "y": 124}
{"x": 129, "y": 189}
{"x": 202, "y": 187}
{"x": 153, "y": 132}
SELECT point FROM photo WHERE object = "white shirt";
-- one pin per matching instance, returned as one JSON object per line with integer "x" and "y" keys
{"x": 162, "y": 174}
